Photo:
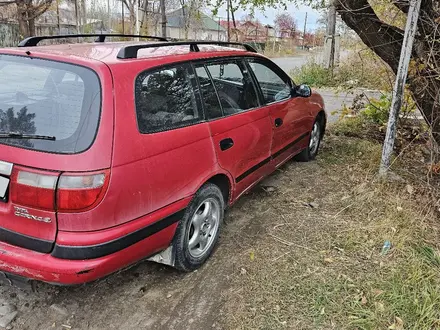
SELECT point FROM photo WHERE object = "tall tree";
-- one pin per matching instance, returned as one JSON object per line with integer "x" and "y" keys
{"x": 386, "y": 39}
{"x": 285, "y": 22}
{"x": 190, "y": 13}
{"x": 131, "y": 6}
{"x": 27, "y": 12}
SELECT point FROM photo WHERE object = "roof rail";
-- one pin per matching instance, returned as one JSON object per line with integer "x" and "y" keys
{"x": 33, "y": 41}
{"x": 131, "y": 51}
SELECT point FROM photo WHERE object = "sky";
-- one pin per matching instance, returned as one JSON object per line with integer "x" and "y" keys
{"x": 268, "y": 16}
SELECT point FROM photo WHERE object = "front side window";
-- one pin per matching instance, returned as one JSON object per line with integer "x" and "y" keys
{"x": 234, "y": 88}
{"x": 56, "y": 100}
{"x": 274, "y": 87}
{"x": 165, "y": 99}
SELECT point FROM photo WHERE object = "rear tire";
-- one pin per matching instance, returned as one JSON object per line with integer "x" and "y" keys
{"x": 198, "y": 231}
{"x": 315, "y": 138}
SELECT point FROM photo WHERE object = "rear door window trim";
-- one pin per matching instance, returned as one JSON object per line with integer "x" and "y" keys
{"x": 199, "y": 103}
{"x": 194, "y": 63}
{"x": 241, "y": 62}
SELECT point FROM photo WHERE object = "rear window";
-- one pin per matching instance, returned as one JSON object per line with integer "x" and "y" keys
{"x": 52, "y": 99}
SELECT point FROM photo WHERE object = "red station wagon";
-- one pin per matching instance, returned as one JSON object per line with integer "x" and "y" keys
{"x": 111, "y": 153}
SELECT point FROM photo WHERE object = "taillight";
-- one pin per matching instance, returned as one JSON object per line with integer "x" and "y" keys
{"x": 80, "y": 192}
{"x": 33, "y": 189}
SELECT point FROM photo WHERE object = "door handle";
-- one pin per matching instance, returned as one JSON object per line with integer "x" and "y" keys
{"x": 278, "y": 122}
{"x": 226, "y": 144}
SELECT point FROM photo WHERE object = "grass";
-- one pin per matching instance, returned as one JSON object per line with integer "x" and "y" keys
{"x": 322, "y": 268}
{"x": 359, "y": 69}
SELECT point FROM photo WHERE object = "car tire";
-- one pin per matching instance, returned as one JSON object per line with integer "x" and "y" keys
{"x": 198, "y": 231}
{"x": 315, "y": 138}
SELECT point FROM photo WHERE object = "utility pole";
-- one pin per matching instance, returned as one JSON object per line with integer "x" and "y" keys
{"x": 399, "y": 87}
{"x": 164, "y": 18}
{"x": 331, "y": 33}
{"x": 229, "y": 26}
{"x": 304, "y": 34}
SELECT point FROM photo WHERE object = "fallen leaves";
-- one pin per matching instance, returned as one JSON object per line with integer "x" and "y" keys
{"x": 329, "y": 260}
{"x": 364, "y": 300}
{"x": 397, "y": 325}
{"x": 379, "y": 307}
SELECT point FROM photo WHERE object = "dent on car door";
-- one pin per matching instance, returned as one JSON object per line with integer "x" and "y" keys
{"x": 241, "y": 130}
{"x": 288, "y": 114}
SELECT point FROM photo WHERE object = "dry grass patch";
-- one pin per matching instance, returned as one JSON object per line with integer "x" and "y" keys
{"x": 317, "y": 260}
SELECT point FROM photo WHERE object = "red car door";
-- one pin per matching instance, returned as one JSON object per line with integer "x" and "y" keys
{"x": 289, "y": 118}
{"x": 241, "y": 130}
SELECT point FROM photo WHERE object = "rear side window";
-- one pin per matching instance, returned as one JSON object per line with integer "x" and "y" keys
{"x": 52, "y": 99}
{"x": 209, "y": 95}
{"x": 274, "y": 86}
{"x": 165, "y": 99}
{"x": 234, "y": 87}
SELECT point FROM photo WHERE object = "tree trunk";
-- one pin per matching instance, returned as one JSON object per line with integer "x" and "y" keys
{"x": 164, "y": 18}
{"x": 23, "y": 27}
{"x": 22, "y": 19}
{"x": 133, "y": 20}
{"x": 83, "y": 15}
{"x": 31, "y": 24}
{"x": 234, "y": 23}
{"x": 386, "y": 41}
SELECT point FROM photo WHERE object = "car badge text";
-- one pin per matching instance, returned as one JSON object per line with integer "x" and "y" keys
{"x": 24, "y": 213}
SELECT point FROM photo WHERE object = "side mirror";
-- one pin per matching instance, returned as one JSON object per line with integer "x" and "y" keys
{"x": 302, "y": 91}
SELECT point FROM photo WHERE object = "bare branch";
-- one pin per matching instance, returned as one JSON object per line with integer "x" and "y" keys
{"x": 403, "y": 5}
{"x": 385, "y": 40}
{"x": 39, "y": 9}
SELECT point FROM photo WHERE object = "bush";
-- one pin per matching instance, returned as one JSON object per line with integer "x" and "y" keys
{"x": 377, "y": 111}
{"x": 363, "y": 69}
{"x": 314, "y": 75}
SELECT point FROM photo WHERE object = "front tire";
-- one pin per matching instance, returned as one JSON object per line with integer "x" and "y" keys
{"x": 198, "y": 231}
{"x": 315, "y": 138}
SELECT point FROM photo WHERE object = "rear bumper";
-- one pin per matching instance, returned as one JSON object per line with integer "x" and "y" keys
{"x": 80, "y": 257}
{"x": 46, "y": 268}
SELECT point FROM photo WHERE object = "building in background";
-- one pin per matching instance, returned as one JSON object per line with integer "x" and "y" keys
{"x": 194, "y": 26}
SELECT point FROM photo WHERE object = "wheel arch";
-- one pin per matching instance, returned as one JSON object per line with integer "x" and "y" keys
{"x": 222, "y": 181}
{"x": 322, "y": 117}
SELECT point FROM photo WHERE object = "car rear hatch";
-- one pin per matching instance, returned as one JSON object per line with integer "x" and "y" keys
{"x": 55, "y": 145}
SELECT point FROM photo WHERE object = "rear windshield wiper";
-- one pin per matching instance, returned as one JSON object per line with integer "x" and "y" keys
{"x": 16, "y": 135}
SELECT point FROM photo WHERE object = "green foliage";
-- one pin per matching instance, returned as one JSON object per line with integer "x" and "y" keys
{"x": 377, "y": 111}
{"x": 314, "y": 75}
{"x": 358, "y": 69}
